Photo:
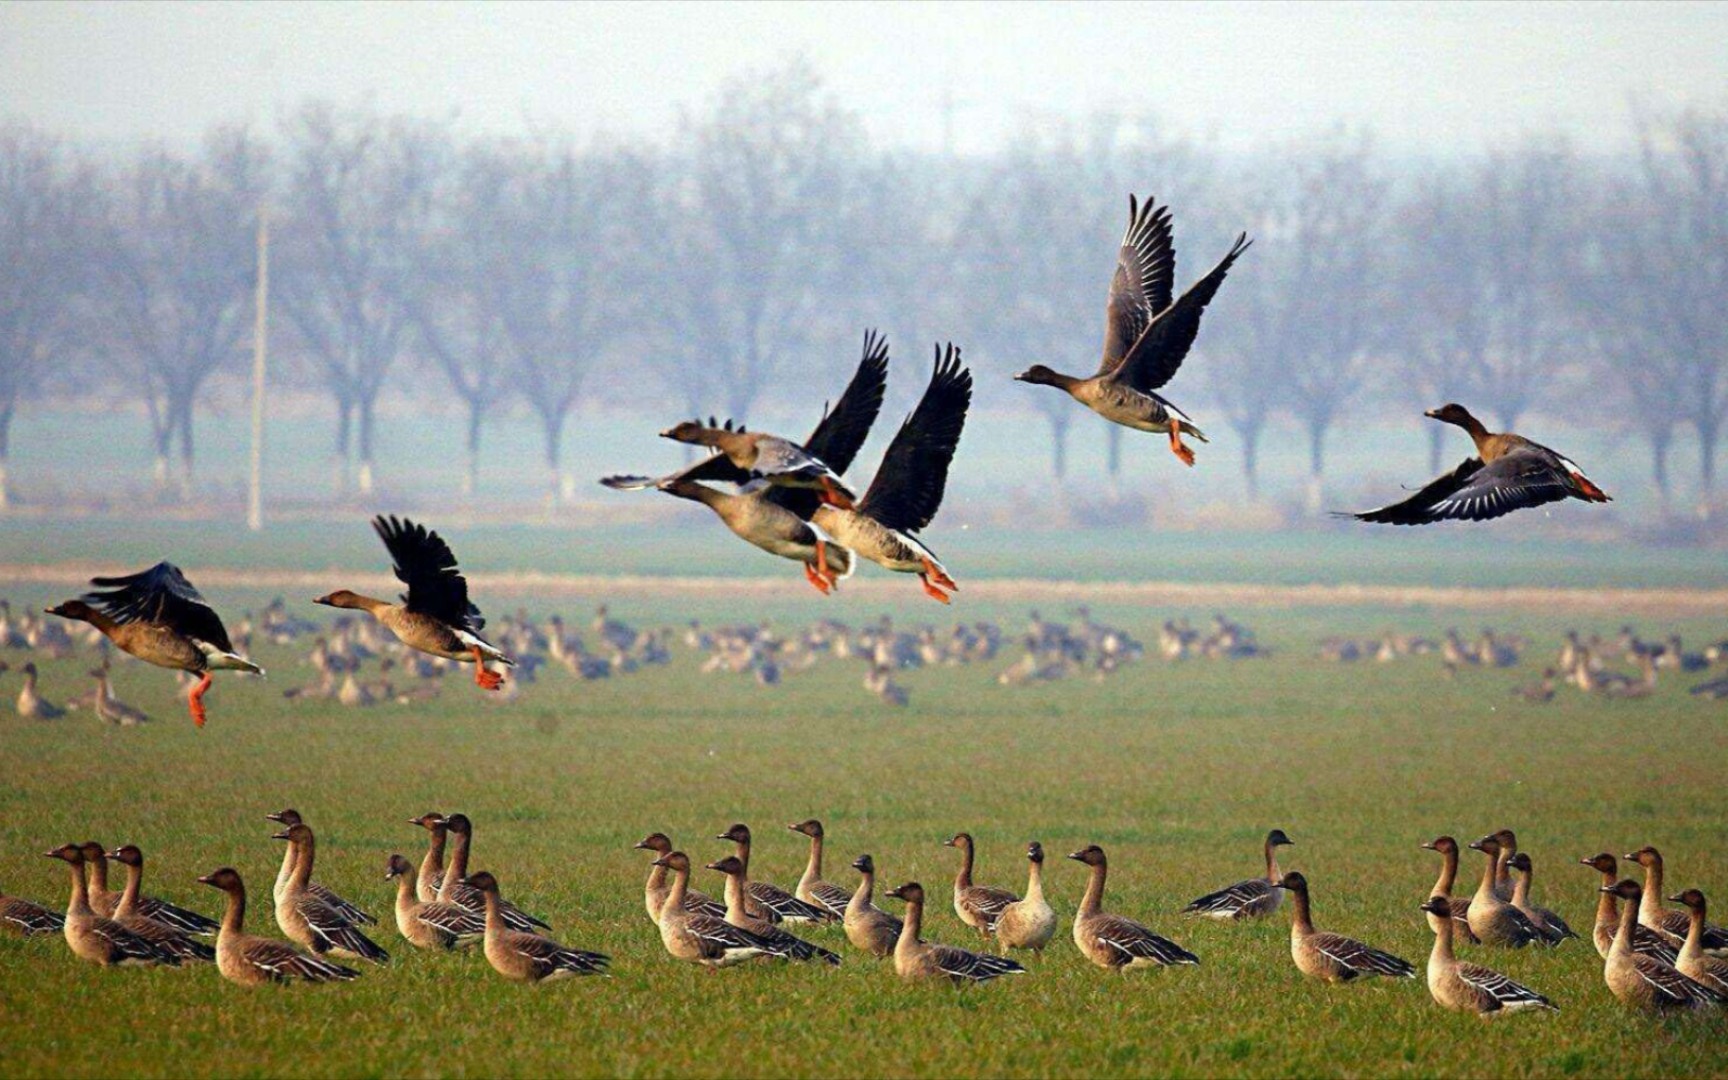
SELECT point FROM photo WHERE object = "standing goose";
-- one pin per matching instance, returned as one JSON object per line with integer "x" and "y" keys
{"x": 1146, "y": 336}
{"x": 255, "y": 961}
{"x": 1693, "y": 962}
{"x": 169, "y": 939}
{"x": 811, "y": 888}
{"x": 1248, "y": 899}
{"x": 915, "y": 958}
{"x": 435, "y": 615}
{"x": 1460, "y": 908}
{"x": 98, "y": 939}
{"x": 1470, "y": 987}
{"x": 31, "y": 704}
{"x": 978, "y": 906}
{"x": 699, "y": 938}
{"x": 658, "y": 888}
{"x": 1029, "y": 923}
{"x": 1493, "y": 920}
{"x": 289, "y": 818}
{"x": 1333, "y": 958}
{"x": 429, "y": 924}
{"x": 765, "y": 901}
{"x": 1116, "y": 941}
{"x": 430, "y": 874}
{"x": 525, "y": 957}
{"x": 27, "y": 919}
{"x": 1508, "y": 841}
{"x": 1644, "y": 939}
{"x": 785, "y": 944}
{"x": 1552, "y": 926}
{"x": 867, "y": 926}
{"x": 309, "y": 921}
{"x": 455, "y": 890}
{"x": 1509, "y": 472}
{"x": 1671, "y": 926}
{"x": 105, "y": 901}
{"x": 157, "y": 616}
{"x": 1641, "y": 980}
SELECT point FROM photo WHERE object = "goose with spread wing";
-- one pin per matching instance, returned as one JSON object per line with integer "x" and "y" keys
{"x": 1509, "y": 472}
{"x": 1147, "y": 335}
{"x": 435, "y": 615}
{"x": 157, "y": 616}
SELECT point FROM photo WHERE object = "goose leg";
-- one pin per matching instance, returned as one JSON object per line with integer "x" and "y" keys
{"x": 932, "y": 591}
{"x": 833, "y": 496}
{"x": 820, "y": 582}
{"x": 939, "y": 576}
{"x": 485, "y": 680}
{"x": 1186, "y": 455}
{"x": 195, "y": 700}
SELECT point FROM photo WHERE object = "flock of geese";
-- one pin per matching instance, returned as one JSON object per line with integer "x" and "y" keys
{"x": 1655, "y": 958}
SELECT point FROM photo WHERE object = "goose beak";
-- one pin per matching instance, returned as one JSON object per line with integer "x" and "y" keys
{"x": 115, "y": 854}
{"x": 277, "y": 818}
{"x": 948, "y": 843}
{"x": 1587, "y": 862}
{"x": 1675, "y": 900}
{"x": 206, "y": 879}
{"x": 279, "y": 836}
{"x": 640, "y": 846}
{"x": 661, "y": 862}
{"x": 1607, "y": 888}
{"x": 1432, "y": 414}
{"x": 711, "y": 866}
{"x": 1475, "y": 845}
{"x": 1428, "y": 845}
{"x": 1633, "y": 856}
{"x": 1076, "y": 855}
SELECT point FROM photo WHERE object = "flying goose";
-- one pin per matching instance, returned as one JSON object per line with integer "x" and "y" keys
{"x": 1146, "y": 335}
{"x": 867, "y": 926}
{"x": 1333, "y": 958}
{"x": 701, "y": 938}
{"x": 435, "y": 615}
{"x": 157, "y": 616}
{"x": 765, "y": 901}
{"x": 455, "y": 890}
{"x": 525, "y": 957}
{"x": 1672, "y": 926}
{"x": 811, "y": 888}
{"x": 1460, "y": 908}
{"x": 1509, "y": 472}
{"x": 977, "y": 905}
{"x": 1115, "y": 941}
{"x": 1693, "y": 962}
{"x": 915, "y": 958}
{"x": 1552, "y": 926}
{"x": 168, "y": 938}
{"x": 98, "y": 939}
{"x": 1493, "y": 920}
{"x": 1248, "y": 899}
{"x": 429, "y": 924}
{"x": 1029, "y": 923}
{"x": 1641, "y": 980}
{"x": 1607, "y": 923}
{"x": 311, "y": 922}
{"x": 106, "y": 902}
{"x": 353, "y": 914}
{"x": 255, "y": 961}
{"x": 785, "y": 944}
{"x": 658, "y": 889}
{"x": 1470, "y": 987}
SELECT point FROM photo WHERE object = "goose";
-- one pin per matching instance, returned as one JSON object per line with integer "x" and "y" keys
{"x": 1470, "y": 987}
{"x": 254, "y": 961}
{"x": 700, "y": 938}
{"x": 1644, "y": 939}
{"x": 25, "y": 918}
{"x": 1448, "y": 849}
{"x": 811, "y": 888}
{"x": 658, "y": 889}
{"x": 96, "y": 938}
{"x": 1334, "y": 958}
{"x": 105, "y": 901}
{"x": 1028, "y": 923}
{"x": 1116, "y": 941}
{"x": 1672, "y": 926}
{"x": 31, "y": 704}
{"x": 915, "y": 958}
{"x": 525, "y": 957}
{"x": 786, "y": 944}
{"x": 765, "y": 901}
{"x": 1693, "y": 962}
{"x": 289, "y": 818}
{"x": 1146, "y": 335}
{"x": 309, "y": 921}
{"x": 454, "y": 890}
{"x": 429, "y": 924}
{"x": 1508, "y": 841}
{"x": 753, "y": 456}
{"x": 867, "y": 926}
{"x": 110, "y": 709}
{"x": 430, "y": 873}
{"x": 435, "y": 615}
{"x": 1493, "y": 920}
{"x": 157, "y": 616}
{"x": 1552, "y": 926}
{"x": 169, "y": 939}
{"x": 977, "y": 905}
{"x": 1641, "y": 980}
{"x": 1509, "y": 472}
{"x": 1250, "y": 899}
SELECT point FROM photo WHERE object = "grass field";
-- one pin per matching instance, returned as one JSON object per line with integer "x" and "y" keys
{"x": 1178, "y": 770}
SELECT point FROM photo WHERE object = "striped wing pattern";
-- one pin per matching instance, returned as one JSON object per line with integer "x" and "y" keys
{"x": 1506, "y": 993}
{"x": 549, "y": 956}
{"x": 1361, "y": 959}
{"x": 337, "y": 932}
{"x": 1135, "y": 942}
{"x": 1234, "y": 901}
{"x": 973, "y": 967}
{"x": 785, "y": 906}
{"x": 285, "y": 963}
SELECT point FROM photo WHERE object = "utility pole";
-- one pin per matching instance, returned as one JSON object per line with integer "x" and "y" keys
{"x": 260, "y": 327}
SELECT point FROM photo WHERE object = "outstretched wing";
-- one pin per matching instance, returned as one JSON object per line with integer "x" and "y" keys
{"x": 425, "y": 563}
{"x": 1145, "y": 276}
{"x": 1153, "y": 359}
{"x": 908, "y": 488}
{"x": 1477, "y": 492}
{"x": 160, "y": 595}
{"x": 841, "y": 432}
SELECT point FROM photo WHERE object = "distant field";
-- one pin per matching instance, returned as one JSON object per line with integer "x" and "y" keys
{"x": 1177, "y": 770}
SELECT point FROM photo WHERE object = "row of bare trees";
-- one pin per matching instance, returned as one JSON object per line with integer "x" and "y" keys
{"x": 533, "y": 272}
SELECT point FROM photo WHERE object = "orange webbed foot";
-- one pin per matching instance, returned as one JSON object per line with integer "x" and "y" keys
{"x": 1182, "y": 452}
{"x": 936, "y": 574}
{"x": 485, "y": 680}
{"x": 821, "y": 583}
{"x": 932, "y": 591}
{"x": 833, "y": 496}
{"x": 195, "y": 701}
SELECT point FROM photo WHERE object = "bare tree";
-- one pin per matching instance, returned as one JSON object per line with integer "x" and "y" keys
{"x": 46, "y": 197}
{"x": 176, "y": 271}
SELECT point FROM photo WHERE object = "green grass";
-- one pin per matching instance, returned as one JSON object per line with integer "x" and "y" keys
{"x": 1176, "y": 770}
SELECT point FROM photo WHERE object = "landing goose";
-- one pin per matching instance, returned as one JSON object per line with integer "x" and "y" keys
{"x": 309, "y": 921}
{"x": 126, "y": 912}
{"x": 978, "y": 906}
{"x": 98, "y": 939}
{"x": 1115, "y": 941}
{"x": 255, "y": 961}
{"x": 525, "y": 957}
{"x": 1470, "y": 987}
{"x": 1693, "y": 962}
{"x": 915, "y": 958}
{"x": 658, "y": 887}
{"x": 867, "y": 926}
{"x": 785, "y": 944}
{"x": 1029, "y": 923}
{"x": 1460, "y": 908}
{"x": 1552, "y": 926}
{"x": 765, "y": 901}
{"x": 1248, "y": 899}
{"x": 700, "y": 938}
{"x": 289, "y": 818}
{"x": 1334, "y": 958}
{"x": 1607, "y": 923}
{"x": 429, "y": 924}
{"x": 1672, "y": 926}
{"x": 811, "y": 888}
{"x": 1641, "y": 980}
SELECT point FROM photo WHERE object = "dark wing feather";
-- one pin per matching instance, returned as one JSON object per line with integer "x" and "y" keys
{"x": 160, "y": 595}
{"x": 133, "y": 946}
{"x": 453, "y": 919}
{"x": 832, "y": 897}
{"x": 726, "y": 936}
{"x": 1145, "y": 275}
{"x": 338, "y": 932}
{"x": 784, "y": 905}
{"x": 1232, "y": 899}
{"x": 1674, "y": 987}
{"x": 907, "y": 490}
{"x": 977, "y": 967}
{"x": 1649, "y": 943}
{"x": 284, "y": 962}
{"x": 1476, "y": 492}
{"x": 31, "y": 918}
{"x": 1136, "y": 942}
{"x": 553, "y": 956}
{"x": 987, "y": 902}
{"x": 715, "y": 468}
{"x": 1154, "y": 358}
{"x": 177, "y": 917}
{"x": 841, "y": 432}
{"x": 425, "y": 563}
{"x": 1500, "y": 988}
{"x": 1362, "y": 958}
{"x": 344, "y": 908}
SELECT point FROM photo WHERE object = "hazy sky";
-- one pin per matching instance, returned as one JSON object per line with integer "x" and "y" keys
{"x": 1430, "y": 76}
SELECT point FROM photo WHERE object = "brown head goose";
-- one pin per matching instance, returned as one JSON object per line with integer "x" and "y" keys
{"x": 106, "y": 902}
{"x": 1693, "y": 962}
{"x": 915, "y": 958}
{"x": 353, "y": 914}
{"x": 157, "y": 616}
{"x": 765, "y": 901}
{"x": 435, "y": 615}
{"x": 811, "y": 888}
{"x": 700, "y": 938}
{"x": 1029, "y": 923}
{"x": 1641, "y": 980}
{"x": 785, "y": 944}
{"x": 1146, "y": 335}
{"x": 1470, "y": 987}
{"x": 128, "y": 912}
{"x": 1248, "y": 899}
{"x": 1553, "y": 927}
{"x": 978, "y": 906}
{"x": 1672, "y": 926}
{"x": 455, "y": 890}
{"x": 429, "y": 924}
{"x": 430, "y": 874}
{"x": 1607, "y": 922}
{"x": 96, "y": 938}
{"x": 525, "y": 957}
{"x": 1333, "y": 958}
{"x": 309, "y": 921}
{"x": 1509, "y": 472}
{"x": 1493, "y": 920}
{"x": 1115, "y": 941}
{"x": 1460, "y": 908}
{"x": 658, "y": 887}
{"x": 255, "y": 961}
{"x": 868, "y": 927}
